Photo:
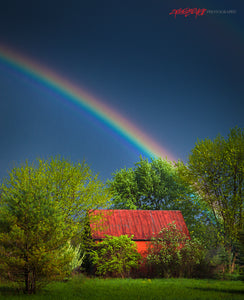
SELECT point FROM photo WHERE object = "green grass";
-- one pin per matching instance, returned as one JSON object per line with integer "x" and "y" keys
{"x": 85, "y": 288}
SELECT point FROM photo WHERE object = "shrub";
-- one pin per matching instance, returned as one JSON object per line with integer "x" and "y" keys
{"x": 115, "y": 256}
{"x": 172, "y": 254}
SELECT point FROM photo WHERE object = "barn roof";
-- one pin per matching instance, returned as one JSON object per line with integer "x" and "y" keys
{"x": 143, "y": 224}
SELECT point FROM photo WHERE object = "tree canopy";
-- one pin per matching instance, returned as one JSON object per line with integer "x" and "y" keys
{"x": 42, "y": 209}
{"x": 155, "y": 185}
{"x": 216, "y": 171}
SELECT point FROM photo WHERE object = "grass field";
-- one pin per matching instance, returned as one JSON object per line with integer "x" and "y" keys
{"x": 85, "y": 288}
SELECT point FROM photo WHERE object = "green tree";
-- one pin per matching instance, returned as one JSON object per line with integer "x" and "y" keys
{"x": 115, "y": 256}
{"x": 87, "y": 244}
{"x": 42, "y": 209}
{"x": 156, "y": 185}
{"x": 216, "y": 172}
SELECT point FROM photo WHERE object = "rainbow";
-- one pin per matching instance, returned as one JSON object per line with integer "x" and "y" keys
{"x": 108, "y": 116}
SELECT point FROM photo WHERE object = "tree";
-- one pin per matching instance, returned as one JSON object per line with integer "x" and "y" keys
{"x": 216, "y": 171}
{"x": 156, "y": 185}
{"x": 87, "y": 244}
{"x": 115, "y": 256}
{"x": 42, "y": 209}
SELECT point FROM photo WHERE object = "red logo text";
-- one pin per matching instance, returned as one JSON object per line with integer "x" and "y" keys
{"x": 188, "y": 11}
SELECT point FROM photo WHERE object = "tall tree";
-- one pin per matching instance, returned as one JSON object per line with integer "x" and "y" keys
{"x": 42, "y": 209}
{"x": 156, "y": 185}
{"x": 216, "y": 171}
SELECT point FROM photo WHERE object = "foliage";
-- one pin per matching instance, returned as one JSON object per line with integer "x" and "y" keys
{"x": 150, "y": 185}
{"x": 172, "y": 254}
{"x": 77, "y": 259}
{"x": 156, "y": 185}
{"x": 41, "y": 213}
{"x": 116, "y": 256}
{"x": 216, "y": 171}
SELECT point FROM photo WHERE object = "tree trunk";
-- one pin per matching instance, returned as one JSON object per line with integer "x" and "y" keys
{"x": 33, "y": 282}
{"x": 230, "y": 260}
{"x": 233, "y": 263}
{"x": 27, "y": 275}
{"x": 30, "y": 281}
{"x": 27, "y": 287}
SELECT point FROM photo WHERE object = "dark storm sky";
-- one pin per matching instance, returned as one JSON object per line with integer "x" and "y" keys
{"x": 177, "y": 79}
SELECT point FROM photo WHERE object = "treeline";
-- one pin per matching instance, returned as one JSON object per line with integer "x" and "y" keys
{"x": 43, "y": 209}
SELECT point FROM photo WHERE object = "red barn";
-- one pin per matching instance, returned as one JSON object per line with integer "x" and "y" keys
{"x": 142, "y": 224}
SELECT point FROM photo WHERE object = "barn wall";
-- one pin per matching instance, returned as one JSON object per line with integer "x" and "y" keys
{"x": 142, "y": 247}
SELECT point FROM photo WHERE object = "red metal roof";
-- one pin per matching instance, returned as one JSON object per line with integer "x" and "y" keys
{"x": 143, "y": 224}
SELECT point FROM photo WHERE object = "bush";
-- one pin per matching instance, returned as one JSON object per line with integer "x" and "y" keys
{"x": 172, "y": 254}
{"x": 115, "y": 256}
